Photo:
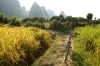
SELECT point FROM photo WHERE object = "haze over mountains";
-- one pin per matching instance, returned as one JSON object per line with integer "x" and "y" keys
{"x": 50, "y": 12}
{"x": 13, "y": 8}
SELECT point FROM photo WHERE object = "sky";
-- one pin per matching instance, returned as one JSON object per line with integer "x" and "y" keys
{"x": 75, "y": 8}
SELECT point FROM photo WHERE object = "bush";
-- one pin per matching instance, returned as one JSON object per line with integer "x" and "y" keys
{"x": 15, "y": 23}
{"x": 28, "y": 24}
{"x": 4, "y": 19}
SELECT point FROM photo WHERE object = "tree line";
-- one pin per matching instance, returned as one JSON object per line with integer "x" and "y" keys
{"x": 56, "y": 22}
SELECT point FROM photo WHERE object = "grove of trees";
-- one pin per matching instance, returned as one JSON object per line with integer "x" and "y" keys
{"x": 56, "y": 22}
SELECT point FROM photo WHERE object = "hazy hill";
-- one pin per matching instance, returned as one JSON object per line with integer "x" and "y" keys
{"x": 45, "y": 14}
{"x": 51, "y": 13}
{"x": 35, "y": 11}
{"x": 26, "y": 13}
{"x": 11, "y": 8}
{"x": 62, "y": 13}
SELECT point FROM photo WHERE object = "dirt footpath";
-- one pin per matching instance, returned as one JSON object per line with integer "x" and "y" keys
{"x": 56, "y": 56}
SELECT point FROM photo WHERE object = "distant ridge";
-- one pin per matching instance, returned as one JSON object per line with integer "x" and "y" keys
{"x": 45, "y": 14}
{"x": 37, "y": 11}
{"x": 11, "y": 8}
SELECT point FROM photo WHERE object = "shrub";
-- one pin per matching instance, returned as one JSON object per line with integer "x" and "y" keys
{"x": 28, "y": 24}
{"x": 15, "y": 23}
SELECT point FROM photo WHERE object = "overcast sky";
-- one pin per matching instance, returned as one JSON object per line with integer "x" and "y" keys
{"x": 75, "y": 8}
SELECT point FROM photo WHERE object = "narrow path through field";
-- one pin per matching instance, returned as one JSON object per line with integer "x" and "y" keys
{"x": 56, "y": 55}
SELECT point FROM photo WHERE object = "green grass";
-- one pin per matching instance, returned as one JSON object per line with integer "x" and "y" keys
{"x": 78, "y": 55}
{"x": 87, "y": 46}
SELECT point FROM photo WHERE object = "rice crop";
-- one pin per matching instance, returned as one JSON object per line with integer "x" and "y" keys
{"x": 88, "y": 44}
{"x": 19, "y": 45}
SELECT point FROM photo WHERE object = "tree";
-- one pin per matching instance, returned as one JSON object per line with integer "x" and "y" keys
{"x": 1, "y": 18}
{"x": 16, "y": 23}
{"x": 54, "y": 18}
{"x": 95, "y": 18}
{"x": 5, "y": 21}
{"x": 81, "y": 19}
{"x": 89, "y": 16}
{"x": 61, "y": 18}
{"x": 68, "y": 18}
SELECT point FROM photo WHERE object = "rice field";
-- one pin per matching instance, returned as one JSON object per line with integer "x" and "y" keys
{"x": 88, "y": 44}
{"x": 19, "y": 46}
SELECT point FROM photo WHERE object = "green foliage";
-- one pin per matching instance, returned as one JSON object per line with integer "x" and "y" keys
{"x": 62, "y": 24}
{"x": 55, "y": 23}
{"x": 69, "y": 18}
{"x": 37, "y": 22}
{"x": 54, "y": 18}
{"x": 89, "y": 42}
{"x": 27, "y": 24}
{"x": 1, "y": 18}
{"x": 15, "y": 22}
{"x": 89, "y": 16}
{"x": 4, "y": 19}
{"x": 81, "y": 19}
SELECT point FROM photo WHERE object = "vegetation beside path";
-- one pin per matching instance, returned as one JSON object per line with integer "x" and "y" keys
{"x": 87, "y": 46}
